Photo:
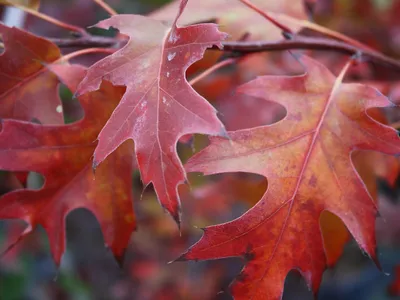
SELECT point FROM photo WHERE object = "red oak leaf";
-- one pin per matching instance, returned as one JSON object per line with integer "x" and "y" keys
{"x": 159, "y": 105}
{"x": 28, "y": 90}
{"x": 306, "y": 158}
{"x": 62, "y": 154}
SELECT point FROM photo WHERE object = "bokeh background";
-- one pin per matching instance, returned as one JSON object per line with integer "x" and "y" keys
{"x": 88, "y": 269}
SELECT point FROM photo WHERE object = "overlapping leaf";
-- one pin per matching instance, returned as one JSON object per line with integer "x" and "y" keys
{"x": 159, "y": 105}
{"x": 306, "y": 158}
{"x": 28, "y": 90}
{"x": 237, "y": 19}
{"x": 62, "y": 154}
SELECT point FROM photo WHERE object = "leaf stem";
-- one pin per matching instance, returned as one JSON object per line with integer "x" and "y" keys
{"x": 212, "y": 69}
{"x": 87, "y": 51}
{"x": 52, "y": 20}
{"x": 306, "y": 24}
{"x": 267, "y": 16}
{"x": 106, "y": 7}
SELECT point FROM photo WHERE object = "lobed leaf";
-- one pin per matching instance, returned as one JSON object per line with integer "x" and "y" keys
{"x": 159, "y": 105}
{"x": 62, "y": 154}
{"x": 307, "y": 159}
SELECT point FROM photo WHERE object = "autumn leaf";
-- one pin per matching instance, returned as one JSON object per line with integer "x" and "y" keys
{"x": 237, "y": 19}
{"x": 33, "y": 4}
{"x": 159, "y": 105}
{"x": 306, "y": 158}
{"x": 28, "y": 90}
{"x": 62, "y": 154}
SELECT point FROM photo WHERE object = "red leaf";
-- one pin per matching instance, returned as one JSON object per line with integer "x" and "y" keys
{"x": 62, "y": 154}
{"x": 159, "y": 105}
{"x": 28, "y": 90}
{"x": 307, "y": 160}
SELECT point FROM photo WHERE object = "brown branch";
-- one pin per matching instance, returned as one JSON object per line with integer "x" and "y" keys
{"x": 311, "y": 43}
{"x": 86, "y": 41}
{"x": 244, "y": 47}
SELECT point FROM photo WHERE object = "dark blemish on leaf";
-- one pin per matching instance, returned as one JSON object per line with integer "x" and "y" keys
{"x": 249, "y": 255}
{"x": 313, "y": 181}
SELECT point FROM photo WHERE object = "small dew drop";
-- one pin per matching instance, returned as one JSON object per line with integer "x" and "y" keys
{"x": 164, "y": 100}
{"x": 59, "y": 109}
{"x": 143, "y": 104}
{"x": 173, "y": 37}
{"x": 167, "y": 74}
{"x": 171, "y": 56}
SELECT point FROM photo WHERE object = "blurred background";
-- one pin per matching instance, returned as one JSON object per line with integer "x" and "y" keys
{"x": 88, "y": 269}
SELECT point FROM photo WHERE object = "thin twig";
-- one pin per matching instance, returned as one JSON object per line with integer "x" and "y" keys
{"x": 106, "y": 7}
{"x": 52, "y": 20}
{"x": 215, "y": 67}
{"x": 267, "y": 16}
{"x": 304, "y": 24}
{"x": 87, "y": 51}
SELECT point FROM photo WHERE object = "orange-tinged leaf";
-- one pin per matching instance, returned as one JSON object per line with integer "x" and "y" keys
{"x": 62, "y": 154}
{"x": 370, "y": 165}
{"x": 159, "y": 105}
{"x": 34, "y": 4}
{"x": 28, "y": 90}
{"x": 237, "y": 19}
{"x": 306, "y": 158}
{"x": 335, "y": 237}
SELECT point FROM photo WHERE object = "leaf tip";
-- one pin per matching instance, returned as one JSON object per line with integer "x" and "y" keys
{"x": 120, "y": 259}
{"x": 223, "y": 133}
{"x": 180, "y": 258}
{"x": 177, "y": 219}
{"x": 94, "y": 166}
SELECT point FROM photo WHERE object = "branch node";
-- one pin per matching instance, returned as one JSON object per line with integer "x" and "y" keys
{"x": 288, "y": 35}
